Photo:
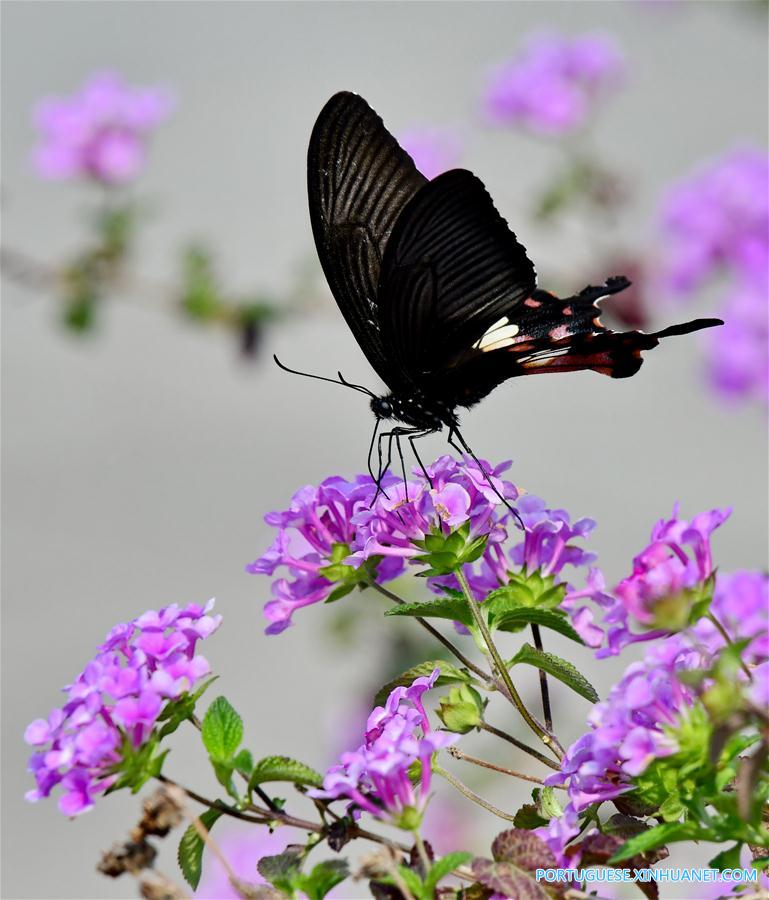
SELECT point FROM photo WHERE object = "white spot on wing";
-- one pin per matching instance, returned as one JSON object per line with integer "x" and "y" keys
{"x": 499, "y": 335}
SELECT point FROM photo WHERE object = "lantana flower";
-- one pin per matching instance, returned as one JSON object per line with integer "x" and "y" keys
{"x": 313, "y": 542}
{"x": 670, "y": 578}
{"x": 637, "y": 722}
{"x": 552, "y": 86}
{"x": 99, "y": 133}
{"x": 715, "y": 223}
{"x": 377, "y": 777}
{"x": 117, "y": 698}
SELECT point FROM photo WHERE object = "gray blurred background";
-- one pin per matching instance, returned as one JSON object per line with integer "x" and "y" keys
{"x": 138, "y": 463}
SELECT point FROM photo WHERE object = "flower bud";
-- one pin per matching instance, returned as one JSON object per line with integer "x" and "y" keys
{"x": 462, "y": 709}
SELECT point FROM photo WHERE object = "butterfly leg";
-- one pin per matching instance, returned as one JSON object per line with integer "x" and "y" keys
{"x": 374, "y": 478}
{"x": 383, "y": 467}
{"x": 467, "y": 449}
{"x": 412, "y": 438}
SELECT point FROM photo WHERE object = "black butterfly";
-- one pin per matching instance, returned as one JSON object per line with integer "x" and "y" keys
{"x": 438, "y": 292}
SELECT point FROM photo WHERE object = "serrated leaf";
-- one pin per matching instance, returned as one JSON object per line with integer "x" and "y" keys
{"x": 509, "y": 880}
{"x": 283, "y": 768}
{"x": 282, "y": 869}
{"x": 190, "y": 852}
{"x": 658, "y": 836}
{"x": 527, "y": 817}
{"x": 222, "y": 731}
{"x": 450, "y": 674}
{"x": 447, "y": 607}
{"x": 516, "y": 619}
{"x": 324, "y": 877}
{"x": 727, "y": 859}
{"x": 559, "y": 668}
{"x": 443, "y": 867}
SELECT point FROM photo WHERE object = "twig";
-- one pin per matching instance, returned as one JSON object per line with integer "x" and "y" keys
{"x": 543, "y": 687}
{"x": 459, "y": 754}
{"x": 265, "y": 816}
{"x": 497, "y": 732}
{"x": 471, "y": 795}
{"x": 434, "y": 632}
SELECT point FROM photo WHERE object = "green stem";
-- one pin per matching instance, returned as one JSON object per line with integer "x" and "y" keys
{"x": 433, "y": 631}
{"x": 464, "y": 789}
{"x": 504, "y": 674}
{"x": 729, "y": 643}
{"x": 422, "y": 850}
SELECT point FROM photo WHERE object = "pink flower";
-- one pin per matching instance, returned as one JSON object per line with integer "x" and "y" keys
{"x": 99, "y": 133}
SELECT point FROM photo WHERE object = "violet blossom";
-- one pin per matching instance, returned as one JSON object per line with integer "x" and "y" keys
{"x": 668, "y": 578}
{"x": 636, "y": 723}
{"x": 99, "y": 133}
{"x": 716, "y": 223}
{"x": 552, "y": 86}
{"x": 434, "y": 150}
{"x": 375, "y": 778}
{"x": 315, "y": 534}
{"x": 460, "y": 493}
{"x": 117, "y": 698}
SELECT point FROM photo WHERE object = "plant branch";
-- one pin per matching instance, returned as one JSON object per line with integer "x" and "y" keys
{"x": 468, "y": 664}
{"x": 471, "y": 795}
{"x": 497, "y": 732}
{"x": 459, "y": 754}
{"x": 265, "y": 816}
{"x": 729, "y": 643}
{"x": 542, "y": 733}
{"x": 543, "y": 687}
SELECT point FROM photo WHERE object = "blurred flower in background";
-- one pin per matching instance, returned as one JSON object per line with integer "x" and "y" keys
{"x": 99, "y": 133}
{"x": 242, "y": 849}
{"x": 715, "y": 224}
{"x": 552, "y": 86}
{"x": 434, "y": 150}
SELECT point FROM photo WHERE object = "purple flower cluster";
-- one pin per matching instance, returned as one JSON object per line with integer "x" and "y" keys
{"x": 117, "y": 698}
{"x": 99, "y": 133}
{"x": 376, "y": 776}
{"x": 319, "y": 522}
{"x": 657, "y": 594}
{"x": 434, "y": 150}
{"x": 552, "y": 86}
{"x": 339, "y": 526}
{"x": 460, "y": 493}
{"x": 630, "y": 728}
{"x": 716, "y": 222}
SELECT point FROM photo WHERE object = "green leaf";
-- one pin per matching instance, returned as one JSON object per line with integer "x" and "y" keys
{"x": 667, "y": 833}
{"x": 282, "y": 870}
{"x": 190, "y": 852}
{"x": 527, "y": 817}
{"x": 559, "y": 668}
{"x": 323, "y": 878}
{"x": 244, "y": 762}
{"x": 283, "y": 768}
{"x": 448, "y": 607}
{"x": 413, "y": 881}
{"x": 449, "y": 674}
{"x": 727, "y": 859}
{"x": 443, "y": 867}
{"x": 222, "y": 731}
{"x": 520, "y": 617}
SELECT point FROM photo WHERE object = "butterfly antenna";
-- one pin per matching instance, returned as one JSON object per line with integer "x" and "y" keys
{"x": 468, "y": 449}
{"x": 357, "y": 387}
{"x": 341, "y": 380}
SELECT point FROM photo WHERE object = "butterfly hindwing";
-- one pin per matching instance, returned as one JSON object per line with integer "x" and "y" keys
{"x": 359, "y": 180}
{"x": 451, "y": 268}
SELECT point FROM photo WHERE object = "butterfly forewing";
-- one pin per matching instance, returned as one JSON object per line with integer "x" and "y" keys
{"x": 359, "y": 180}
{"x": 452, "y": 268}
